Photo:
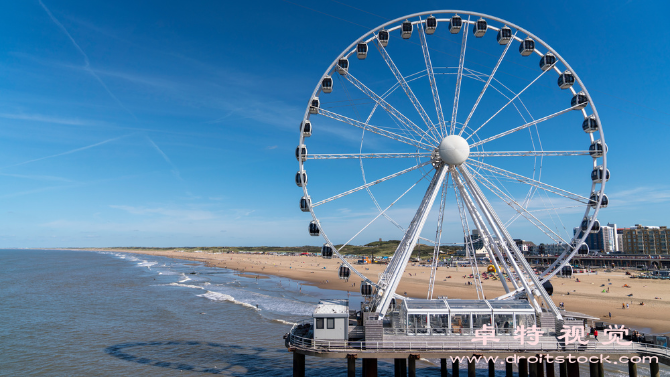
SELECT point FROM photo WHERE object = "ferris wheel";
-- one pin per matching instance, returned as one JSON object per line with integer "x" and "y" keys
{"x": 385, "y": 154}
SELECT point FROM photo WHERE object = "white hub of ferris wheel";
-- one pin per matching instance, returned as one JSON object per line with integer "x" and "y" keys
{"x": 454, "y": 150}
{"x": 450, "y": 153}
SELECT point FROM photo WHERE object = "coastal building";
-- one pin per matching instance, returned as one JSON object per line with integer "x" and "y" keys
{"x": 645, "y": 239}
{"x": 604, "y": 241}
{"x": 477, "y": 244}
{"x": 526, "y": 247}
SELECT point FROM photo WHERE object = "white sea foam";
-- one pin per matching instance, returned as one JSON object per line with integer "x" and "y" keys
{"x": 217, "y": 296}
{"x": 146, "y": 263}
{"x": 284, "y": 322}
{"x": 185, "y": 279}
{"x": 186, "y": 285}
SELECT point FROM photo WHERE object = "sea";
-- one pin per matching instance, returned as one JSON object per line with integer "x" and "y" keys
{"x": 93, "y": 313}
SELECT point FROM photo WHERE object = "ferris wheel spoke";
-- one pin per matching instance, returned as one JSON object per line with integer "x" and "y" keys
{"x": 438, "y": 238}
{"x": 393, "y": 272}
{"x": 381, "y": 213}
{"x": 359, "y": 188}
{"x": 488, "y": 82}
{"x": 341, "y": 156}
{"x": 405, "y": 87}
{"x": 459, "y": 80}
{"x": 508, "y": 102}
{"x": 488, "y": 241}
{"x": 388, "y": 108}
{"x": 467, "y": 245}
{"x": 376, "y": 130}
{"x": 516, "y": 206}
{"x": 431, "y": 79}
{"x": 524, "y": 126}
{"x": 527, "y": 153}
{"x": 524, "y": 269}
{"x": 530, "y": 181}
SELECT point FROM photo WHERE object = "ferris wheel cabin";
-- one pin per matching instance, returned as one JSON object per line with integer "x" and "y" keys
{"x": 306, "y": 126}
{"x": 566, "y": 80}
{"x": 301, "y": 178}
{"x": 596, "y": 149}
{"x": 383, "y": 37}
{"x": 547, "y": 61}
{"x": 455, "y": 24}
{"x": 406, "y": 29}
{"x": 579, "y": 101}
{"x": 343, "y": 65}
{"x": 597, "y": 174}
{"x": 314, "y": 229}
{"x": 479, "y": 28}
{"x": 301, "y": 153}
{"x": 327, "y": 84}
{"x": 595, "y": 199}
{"x": 527, "y": 47}
{"x": 305, "y": 203}
{"x": 361, "y": 52}
{"x": 326, "y": 251}
{"x": 431, "y": 24}
{"x": 590, "y": 124}
{"x": 313, "y": 109}
{"x": 504, "y": 35}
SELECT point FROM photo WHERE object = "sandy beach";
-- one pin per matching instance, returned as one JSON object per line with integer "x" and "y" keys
{"x": 585, "y": 296}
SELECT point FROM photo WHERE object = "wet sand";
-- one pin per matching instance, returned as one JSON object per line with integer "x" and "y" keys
{"x": 585, "y": 296}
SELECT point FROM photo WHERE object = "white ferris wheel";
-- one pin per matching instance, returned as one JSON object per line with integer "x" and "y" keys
{"x": 510, "y": 158}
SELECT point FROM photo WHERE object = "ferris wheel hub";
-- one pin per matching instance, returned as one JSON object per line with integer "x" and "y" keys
{"x": 454, "y": 150}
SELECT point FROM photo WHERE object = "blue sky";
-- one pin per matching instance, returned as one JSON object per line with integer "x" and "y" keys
{"x": 174, "y": 124}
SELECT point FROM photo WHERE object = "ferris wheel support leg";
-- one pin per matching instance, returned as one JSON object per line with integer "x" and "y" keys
{"x": 393, "y": 273}
{"x": 489, "y": 245}
{"x": 499, "y": 231}
{"x": 524, "y": 264}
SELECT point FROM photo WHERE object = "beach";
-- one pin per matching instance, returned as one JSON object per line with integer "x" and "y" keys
{"x": 585, "y": 296}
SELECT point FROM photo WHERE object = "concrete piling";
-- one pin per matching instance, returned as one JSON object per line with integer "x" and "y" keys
{"x": 369, "y": 367}
{"x": 298, "y": 365}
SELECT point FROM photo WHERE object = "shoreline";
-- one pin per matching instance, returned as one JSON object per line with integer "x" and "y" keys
{"x": 585, "y": 296}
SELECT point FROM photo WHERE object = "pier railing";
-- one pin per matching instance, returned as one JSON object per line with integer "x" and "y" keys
{"x": 466, "y": 343}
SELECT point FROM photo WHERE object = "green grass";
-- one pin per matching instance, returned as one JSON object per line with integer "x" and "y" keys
{"x": 377, "y": 249}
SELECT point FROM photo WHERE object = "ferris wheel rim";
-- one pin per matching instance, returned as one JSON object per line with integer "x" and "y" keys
{"x": 565, "y": 257}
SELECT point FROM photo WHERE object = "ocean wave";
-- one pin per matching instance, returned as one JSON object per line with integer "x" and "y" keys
{"x": 146, "y": 263}
{"x": 185, "y": 279}
{"x": 217, "y": 296}
{"x": 284, "y": 322}
{"x": 186, "y": 285}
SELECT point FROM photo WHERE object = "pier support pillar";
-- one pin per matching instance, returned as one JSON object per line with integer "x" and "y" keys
{"x": 593, "y": 369}
{"x": 298, "y": 365}
{"x": 540, "y": 368}
{"x": 492, "y": 368}
{"x": 369, "y": 367}
{"x": 653, "y": 369}
{"x": 632, "y": 369}
{"x": 411, "y": 369}
{"x": 532, "y": 369}
{"x": 601, "y": 369}
{"x": 351, "y": 365}
{"x": 400, "y": 367}
{"x": 443, "y": 368}
{"x": 573, "y": 369}
{"x": 523, "y": 368}
{"x": 509, "y": 369}
{"x": 471, "y": 368}
{"x": 550, "y": 370}
{"x": 455, "y": 369}
{"x": 563, "y": 369}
